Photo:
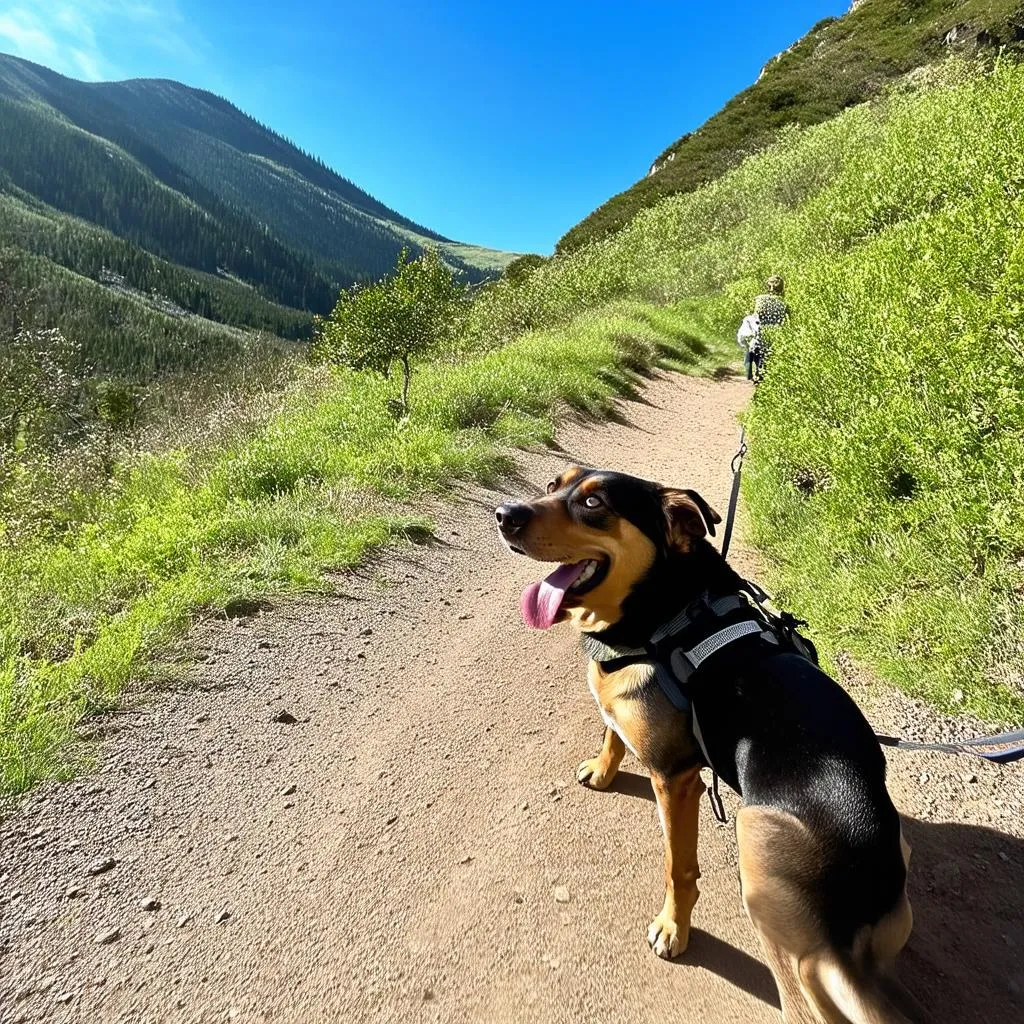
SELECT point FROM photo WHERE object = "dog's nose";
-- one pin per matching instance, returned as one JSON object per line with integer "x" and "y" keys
{"x": 512, "y": 518}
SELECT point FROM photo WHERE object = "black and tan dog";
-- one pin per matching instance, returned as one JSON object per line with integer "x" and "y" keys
{"x": 823, "y": 864}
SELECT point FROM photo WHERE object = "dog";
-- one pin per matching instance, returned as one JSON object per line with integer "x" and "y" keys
{"x": 822, "y": 859}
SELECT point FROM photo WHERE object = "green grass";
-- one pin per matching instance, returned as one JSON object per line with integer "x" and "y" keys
{"x": 86, "y": 610}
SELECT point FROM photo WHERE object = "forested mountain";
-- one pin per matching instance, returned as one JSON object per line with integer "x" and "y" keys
{"x": 172, "y": 194}
{"x": 840, "y": 62}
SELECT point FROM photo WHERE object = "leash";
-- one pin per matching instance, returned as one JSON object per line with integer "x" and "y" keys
{"x": 734, "y": 496}
{"x": 1006, "y": 755}
{"x": 1003, "y": 756}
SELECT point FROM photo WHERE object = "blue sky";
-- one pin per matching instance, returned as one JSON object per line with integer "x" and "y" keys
{"x": 501, "y": 124}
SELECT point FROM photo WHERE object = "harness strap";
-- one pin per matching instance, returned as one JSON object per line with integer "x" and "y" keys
{"x": 715, "y": 642}
{"x": 683, "y": 620}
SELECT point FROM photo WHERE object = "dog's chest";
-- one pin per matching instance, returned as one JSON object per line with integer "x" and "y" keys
{"x": 618, "y": 709}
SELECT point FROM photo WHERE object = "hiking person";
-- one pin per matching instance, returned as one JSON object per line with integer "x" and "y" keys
{"x": 770, "y": 310}
{"x": 748, "y": 339}
{"x": 770, "y": 307}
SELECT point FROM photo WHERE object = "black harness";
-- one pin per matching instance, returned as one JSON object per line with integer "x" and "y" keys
{"x": 679, "y": 647}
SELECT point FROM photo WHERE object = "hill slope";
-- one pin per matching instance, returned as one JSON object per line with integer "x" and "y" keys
{"x": 839, "y": 63}
{"x": 157, "y": 173}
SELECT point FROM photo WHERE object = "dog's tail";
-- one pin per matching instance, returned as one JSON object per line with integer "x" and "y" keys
{"x": 845, "y": 993}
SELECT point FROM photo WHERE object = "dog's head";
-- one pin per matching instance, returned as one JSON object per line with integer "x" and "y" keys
{"x": 608, "y": 531}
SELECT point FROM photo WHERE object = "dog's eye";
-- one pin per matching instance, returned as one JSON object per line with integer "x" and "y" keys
{"x": 593, "y": 501}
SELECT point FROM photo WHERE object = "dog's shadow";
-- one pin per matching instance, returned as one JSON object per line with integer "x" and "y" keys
{"x": 965, "y": 958}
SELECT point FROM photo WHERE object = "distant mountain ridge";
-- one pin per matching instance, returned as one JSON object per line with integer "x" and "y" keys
{"x": 191, "y": 184}
{"x": 838, "y": 63}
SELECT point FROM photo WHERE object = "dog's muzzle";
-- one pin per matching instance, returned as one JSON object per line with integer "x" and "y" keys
{"x": 512, "y": 518}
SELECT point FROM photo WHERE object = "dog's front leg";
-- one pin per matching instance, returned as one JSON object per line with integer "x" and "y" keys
{"x": 678, "y": 808}
{"x": 598, "y": 772}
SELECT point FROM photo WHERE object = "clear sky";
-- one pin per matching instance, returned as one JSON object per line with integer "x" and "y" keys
{"x": 499, "y": 123}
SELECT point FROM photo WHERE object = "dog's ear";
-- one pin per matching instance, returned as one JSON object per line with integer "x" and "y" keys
{"x": 688, "y": 515}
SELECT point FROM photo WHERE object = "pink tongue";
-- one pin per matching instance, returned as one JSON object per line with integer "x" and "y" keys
{"x": 541, "y": 602}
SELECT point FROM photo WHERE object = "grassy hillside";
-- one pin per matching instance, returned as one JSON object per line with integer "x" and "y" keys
{"x": 887, "y": 444}
{"x": 839, "y": 63}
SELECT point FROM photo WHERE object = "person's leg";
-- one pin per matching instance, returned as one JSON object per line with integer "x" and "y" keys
{"x": 748, "y": 364}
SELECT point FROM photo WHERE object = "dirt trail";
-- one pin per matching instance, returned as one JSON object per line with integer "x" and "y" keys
{"x": 413, "y": 847}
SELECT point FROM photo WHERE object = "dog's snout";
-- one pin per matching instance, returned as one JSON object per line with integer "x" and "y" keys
{"x": 512, "y": 518}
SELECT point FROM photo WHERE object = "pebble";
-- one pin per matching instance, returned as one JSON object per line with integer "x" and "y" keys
{"x": 466, "y": 860}
{"x": 223, "y": 916}
{"x": 288, "y": 790}
{"x": 182, "y": 921}
{"x": 561, "y": 894}
{"x": 98, "y": 867}
{"x": 151, "y": 903}
{"x": 285, "y": 718}
{"x": 923, "y": 777}
{"x": 106, "y": 937}
{"x": 74, "y": 891}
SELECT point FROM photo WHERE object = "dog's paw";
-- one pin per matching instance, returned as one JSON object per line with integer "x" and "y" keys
{"x": 591, "y": 774}
{"x": 667, "y": 938}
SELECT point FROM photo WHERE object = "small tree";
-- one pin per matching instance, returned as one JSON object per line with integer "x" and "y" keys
{"x": 41, "y": 377}
{"x": 406, "y": 315}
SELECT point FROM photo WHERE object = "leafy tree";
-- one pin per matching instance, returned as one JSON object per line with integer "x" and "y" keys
{"x": 409, "y": 314}
{"x": 40, "y": 378}
{"x": 523, "y": 266}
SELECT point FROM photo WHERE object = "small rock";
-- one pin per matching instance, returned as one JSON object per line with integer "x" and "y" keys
{"x": 74, "y": 891}
{"x": 392, "y": 819}
{"x": 202, "y": 718}
{"x": 464, "y": 615}
{"x": 365, "y": 632}
{"x": 149, "y": 784}
{"x": 223, "y": 916}
{"x": 182, "y": 921}
{"x": 107, "y": 936}
{"x": 466, "y": 860}
{"x": 923, "y": 778}
{"x": 285, "y": 718}
{"x": 1003, "y": 857}
{"x": 428, "y": 995}
{"x": 288, "y": 804}
{"x": 289, "y": 790}
{"x": 151, "y": 903}
{"x": 970, "y": 777}
{"x": 66, "y": 997}
{"x": 98, "y": 867}
{"x": 561, "y": 894}
{"x": 264, "y": 645}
